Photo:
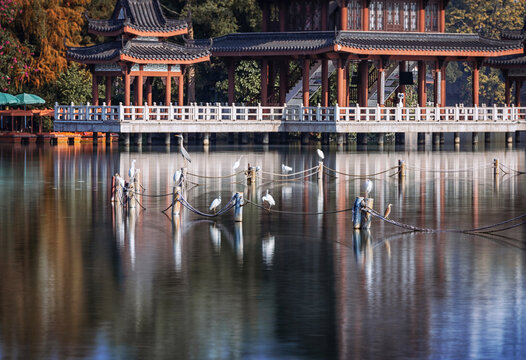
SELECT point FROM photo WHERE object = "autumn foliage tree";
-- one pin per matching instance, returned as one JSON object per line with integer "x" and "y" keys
{"x": 16, "y": 57}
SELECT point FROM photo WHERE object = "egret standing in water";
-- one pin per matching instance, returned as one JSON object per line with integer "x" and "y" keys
{"x": 269, "y": 200}
{"x": 182, "y": 150}
{"x": 367, "y": 187}
{"x": 132, "y": 172}
{"x": 236, "y": 164}
{"x": 215, "y": 204}
{"x": 285, "y": 169}
{"x": 320, "y": 154}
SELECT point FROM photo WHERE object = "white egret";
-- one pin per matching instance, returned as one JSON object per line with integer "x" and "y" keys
{"x": 320, "y": 154}
{"x": 268, "y": 199}
{"x": 258, "y": 168}
{"x": 367, "y": 187}
{"x": 236, "y": 164}
{"x": 285, "y": 169}
{"x": 182, "y": 150}
{"x": 131, "y": 172}
{"x": 215, "y": 204}
{"x": 387, "y": 211}
{"x": 121, "y": 181}
{"x": 177, "y": 178}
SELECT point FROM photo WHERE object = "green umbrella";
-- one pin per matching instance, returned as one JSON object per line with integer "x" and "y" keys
{"x": 29, "y": 99}
{"x": 8, "y": 99}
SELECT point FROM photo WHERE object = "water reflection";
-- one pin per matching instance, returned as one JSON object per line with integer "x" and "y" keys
{"x": 267, "y": 249}
{"x": 84, "y": 279}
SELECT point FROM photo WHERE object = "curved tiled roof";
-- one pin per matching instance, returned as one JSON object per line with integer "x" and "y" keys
{"x": 503, "y": 61}
{"x": 359, "y": 42}
{"x": 141, "y": 15}
{"x": 96, "y": 53}
{"x": 282, "y": 41}
{"x": 512, "y": 34}
{"x": 137, "y": 49}
{"x": 423, "y": 41}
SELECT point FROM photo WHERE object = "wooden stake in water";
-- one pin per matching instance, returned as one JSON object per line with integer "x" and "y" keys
{"x": 357, "y": 212}
{"x": 320, "y": 170}
{"x": 401, "y": 169}
{"x": 366, "y": 216}
{"x": 176, "y": 204}
{"x": 238, "y": 209}
{"x": 496, "y": 166}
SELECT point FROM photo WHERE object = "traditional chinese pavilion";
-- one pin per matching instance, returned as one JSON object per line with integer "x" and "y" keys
{"x": 513, "y": 66}
{"x": 138, "y": 49}
{"x": 377, "y": 37}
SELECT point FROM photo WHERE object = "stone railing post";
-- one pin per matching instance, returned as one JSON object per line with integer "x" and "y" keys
{"x": 259, "y": 112}
{"x": 103, "y": 115}
{"x": 86, "y": 112}
{"x": 121, "y": 112}
{"x": 336, "y": 113}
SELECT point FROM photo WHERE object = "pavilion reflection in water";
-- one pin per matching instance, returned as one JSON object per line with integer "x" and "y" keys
{"x": 156, "y": 268}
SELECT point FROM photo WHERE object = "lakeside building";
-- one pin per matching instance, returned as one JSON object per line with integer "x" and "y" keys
{"x": 372, "y": 48}
{"x": 137, "y": 49}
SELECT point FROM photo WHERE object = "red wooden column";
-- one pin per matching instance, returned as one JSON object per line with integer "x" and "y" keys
{"x": 344, "y": 13}
{"x": 443, "y": 102}
{"x": 421, "y": 16}
{"x": 264, "y": 82}
{"x": 422, "y": 83}
{"x": 324, "y": 12}
{"x": 306, "y": 77}
{"x": 108, "y": 90}
{"x": 507, "y": 90}
{"x": 283, "y": 81}
{"x": 340, "y": 76}
{"x": 282, "y": 16}
{"x": 265, "y": 16}
{"x": 139, "y": 87}
{"x": 94, "y": 89}
{"x": 231, "y": 81}
{"x": 180, "y": 89}
{"x": 127, "y": 86}
{"x": 324, "y": 82}
{"x": 475, "y": 81}
{"x": 363, "y": 88}
{"x": 365, "y": 15}
{"x": 401, "y": 88}
{"x": 347, "y": 82}
{"x": 518, "y": 86}
{"x": 149, "y": 98}
{"x": 168, "y": 95}
{"x": 442, "y": 17}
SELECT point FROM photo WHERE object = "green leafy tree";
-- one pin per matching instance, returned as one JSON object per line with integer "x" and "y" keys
{"x": 73, "y": 85}
{"x": 486, "y": 18}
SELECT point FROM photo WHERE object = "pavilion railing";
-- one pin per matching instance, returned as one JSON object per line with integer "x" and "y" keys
{"x": 288, "y": 114}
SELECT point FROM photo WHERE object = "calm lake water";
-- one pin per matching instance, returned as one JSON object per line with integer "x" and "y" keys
{"x": 80, "y": 280}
